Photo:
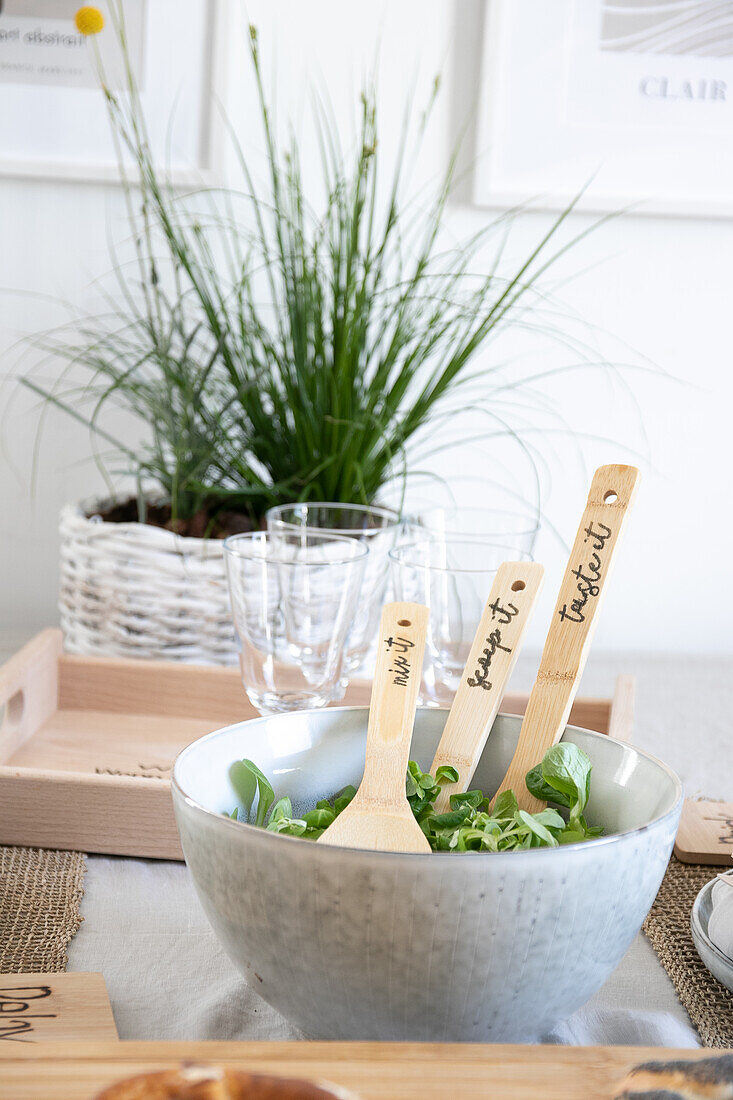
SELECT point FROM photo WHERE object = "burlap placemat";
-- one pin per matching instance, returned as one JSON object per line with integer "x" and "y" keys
{"x": 708, "y": 1003}
{"x": 40, "y": 895}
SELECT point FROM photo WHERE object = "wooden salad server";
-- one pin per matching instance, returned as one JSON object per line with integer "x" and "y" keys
{"x": 379, "y": 816}
{"x": 490, "y": 663}
{"x": 571, "y": 630}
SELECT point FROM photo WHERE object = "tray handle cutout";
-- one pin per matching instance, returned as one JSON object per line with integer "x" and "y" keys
{"x": 28, "y": 690}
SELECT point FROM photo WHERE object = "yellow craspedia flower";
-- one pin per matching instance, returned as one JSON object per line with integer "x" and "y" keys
{"x": 89, "y": 20}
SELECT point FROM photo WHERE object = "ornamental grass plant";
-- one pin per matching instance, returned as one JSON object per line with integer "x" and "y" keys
{"x": 272, "y": 351}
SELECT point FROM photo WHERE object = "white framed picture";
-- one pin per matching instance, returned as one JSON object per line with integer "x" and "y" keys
{"x": 631, "y": 99}
{"x": 53, "y": 118}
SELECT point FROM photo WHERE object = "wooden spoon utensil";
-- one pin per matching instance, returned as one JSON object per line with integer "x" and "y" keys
{"x": 379, "y": 816}
{"x": 490, "y": 663}
{"x": 571, "y": 630}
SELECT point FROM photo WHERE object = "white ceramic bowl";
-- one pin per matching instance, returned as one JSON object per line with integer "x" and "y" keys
{"x": 719, "y": 965}
{"x": 444, "y": 946}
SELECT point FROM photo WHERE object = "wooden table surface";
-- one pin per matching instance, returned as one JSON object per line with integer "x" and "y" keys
{"x": 373, "y": 1071}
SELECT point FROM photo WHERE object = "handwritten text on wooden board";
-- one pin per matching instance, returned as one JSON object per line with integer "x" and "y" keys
{"x": 35, "y": 1007}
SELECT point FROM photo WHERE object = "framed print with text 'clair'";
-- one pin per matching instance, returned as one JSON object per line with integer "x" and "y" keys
{"x": 53, "y": 118}
{"x": 630, "y": 99}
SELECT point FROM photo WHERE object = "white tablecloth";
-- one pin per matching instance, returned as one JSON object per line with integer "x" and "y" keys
{"x": 167, "y": 978}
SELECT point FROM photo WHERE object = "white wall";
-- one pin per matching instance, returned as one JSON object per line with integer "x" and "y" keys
{"x": 660, "y": 287}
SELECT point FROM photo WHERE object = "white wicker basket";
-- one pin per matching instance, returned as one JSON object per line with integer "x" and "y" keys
{"x": 133, "y": 590}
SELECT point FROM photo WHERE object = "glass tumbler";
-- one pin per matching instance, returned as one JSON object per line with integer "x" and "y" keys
{"x": 293, "y": 598}
{"x": 513, "y": 530}
{"x": 377, "y": 529}
{"x": 453, "y": 576}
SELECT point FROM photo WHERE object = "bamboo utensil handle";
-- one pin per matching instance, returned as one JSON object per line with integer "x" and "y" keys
{"x": 401, "y": 648}
{"x": 380, "y": 816}
{"x": 569, "y": 638}
{"x": 490, "y": 663}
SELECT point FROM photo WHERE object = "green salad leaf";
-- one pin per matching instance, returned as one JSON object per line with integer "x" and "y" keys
{"x": 563, "y": 776}
{"x": 248, "y": 781}
{"x": 471, "y": 825}
{"x": 446, "y": 773}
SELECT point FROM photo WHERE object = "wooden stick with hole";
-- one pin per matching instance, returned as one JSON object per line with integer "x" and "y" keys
{"x": 490, "y": 663}
{"x": 379, "y": 816}
{"x": 571, "y": 631}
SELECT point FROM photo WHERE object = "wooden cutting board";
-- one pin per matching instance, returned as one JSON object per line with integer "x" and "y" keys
{"x": 705, "y": 834}
{"x": 374, "y": 1071}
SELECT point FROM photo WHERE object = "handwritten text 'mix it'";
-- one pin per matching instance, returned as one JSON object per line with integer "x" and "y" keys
{"x": 400, "y": 667}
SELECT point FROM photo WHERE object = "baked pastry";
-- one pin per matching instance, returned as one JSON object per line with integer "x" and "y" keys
{"x": 197, "y": 1082}
{"x": 708, "y": 1079}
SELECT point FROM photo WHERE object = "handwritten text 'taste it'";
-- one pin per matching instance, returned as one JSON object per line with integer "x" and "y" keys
{"x": 588, "y": 575}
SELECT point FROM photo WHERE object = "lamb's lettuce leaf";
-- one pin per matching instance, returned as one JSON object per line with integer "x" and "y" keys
{"x": 566, "y": 769}
{"x": 248, "y": 781}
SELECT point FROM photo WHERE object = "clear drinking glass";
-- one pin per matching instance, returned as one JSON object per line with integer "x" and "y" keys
{"x": 453, "y": 576}
{"x": 377, "y": 529}
{"x": 293, "y": 597}
{"x": 513, "y": 530}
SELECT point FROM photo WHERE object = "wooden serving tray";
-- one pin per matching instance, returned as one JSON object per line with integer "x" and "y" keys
{"x": 372, "y": 1071}
{"x": 87, "y": 743}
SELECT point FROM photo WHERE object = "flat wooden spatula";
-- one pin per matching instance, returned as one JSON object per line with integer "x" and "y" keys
{"x": 379, "y": 816}
{"x": 571, "y": 630}
{"x": 490, "y": 662}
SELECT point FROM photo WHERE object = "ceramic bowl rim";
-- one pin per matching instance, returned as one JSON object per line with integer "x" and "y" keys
{"x": 586, "y": 845}
{"x": 699, "y": 931}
